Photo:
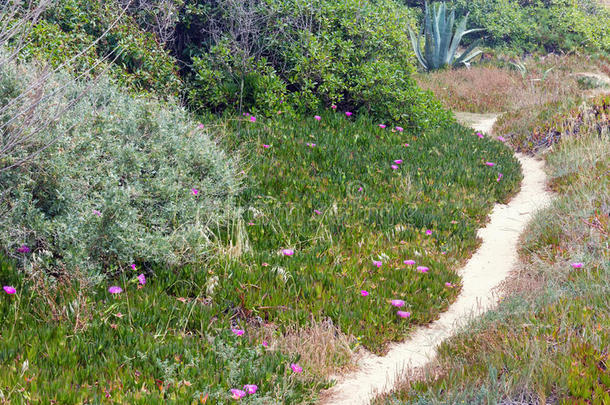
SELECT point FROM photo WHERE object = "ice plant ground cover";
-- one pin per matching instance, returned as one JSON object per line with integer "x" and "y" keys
{"x": 319, "y": 226}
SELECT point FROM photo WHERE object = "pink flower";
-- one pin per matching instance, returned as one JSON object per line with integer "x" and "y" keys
{"x": 9, "y": 289}
{"x": 490, "y": 164}
{"x": 287, "y": 252}
{"x": 318, "y": 212}
{"x": 142, "y": 279}
{"x": 238, "y": 332}
{"x": 237, "y": 394}
{"x": 403, "y": 314}
{"x": 364, "y": 293}
{"x": 480, "y": 135}
{"x": 399, "y": 129}
{"x": 194, "y": 191}
{"x": 253, "y": 119}
{"x": 501, "y": 139}
{"x": 266, "y": 146}
{"x": 265, "y": 343}
{"x": 250, "y": 223}
{"x": 311, "y": 145}
{"x": 360, "y": 189}
{"x": 377, "y": 263}
{"x": 334, "y": 107}
{"x": 133, "y": 266}
{"x": 398, "y": 161}
{"x": 115, "y": 290}
{"x": 500, "y": 175}
{"x": 397, "y": 303}
{"x": 98, "y": 213}
{"x": 317, "y": 117}
{"x": 24, "y": 249}
{"x": 382, "y": 126}
{"x": 448, "y": 284}
{"x": 406, "y": 145}
{"x": 428, "y": 231}
{"x": 577, "y": 265}
{"x": 409, "y": 262}
{"x": 394, "y": 167}
{"x": 250, "y": 388}
{"x": 200, "y": 126}
{"x": 296, "y": 368}
{"x": 422, "y": 269}
{"x": 349, "y": 114}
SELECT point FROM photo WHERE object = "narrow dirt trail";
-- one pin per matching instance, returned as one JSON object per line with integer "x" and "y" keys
{"x": 486, "y": 269}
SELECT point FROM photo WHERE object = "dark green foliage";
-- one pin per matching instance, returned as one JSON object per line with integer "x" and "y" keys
{"x": 69, "y": 26}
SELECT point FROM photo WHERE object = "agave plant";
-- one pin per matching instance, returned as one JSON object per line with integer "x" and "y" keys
{"x": 441, "y": 42}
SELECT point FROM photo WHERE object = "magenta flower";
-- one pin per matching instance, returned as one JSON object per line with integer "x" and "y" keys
{"x": 360, "y": 189}
{"x": 577, "y": 265}
{"x": 501, "y": 139}
{"x": 409, "y": 262}
{"x": 364, "y": 293}
{"x": 253, "y": 119}
{"x": 334, "y": 107}
{"x": 115, "y": 289}
{"x": 480, "y": 135}
{"x": 250, "y": 223}
{"x": 398, "y": 161}
{"x": 237, "y": 394}
{"x": 422, "y": 269}
{"x": 348, "y": 113}
{"x": 500, "y": 175}
{"x": 399, "y": 129}
{"x": 265, "y": 343}
{"x": 24, "y": 249}
{"x": 382, "y": 126}
{"x": 490, "y": 164}
{"x": 237, "y": 332}
{"x": 296, "y": 368}
{"x": 403, "y": 314}
{"x": 397, "y": 303}
{"x": 428, "y": 231}
{"x": 318, "y": 212}
{"x": 317, "y": 117}
{"x": 9, "y": 289}
{"x": 96, "y": 212}
{"x": 377, "y": 263}
{"x": 394, "y": 167}
{"x": 266, "y": 146}
{"x": 194, "y": 191}
{"x": 311, "y": 145}
{"x": 250, "y": 388}
{"x": 448, "y": 284}
{"x": 133, "y": 266}
{"x": 287, "y": 252}
{"x": 201, "y": 126}
{"x": 406, "y": 145}
{"x": 142, "y": 279}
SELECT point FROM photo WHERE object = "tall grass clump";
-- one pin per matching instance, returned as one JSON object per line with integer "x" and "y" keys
{"x": 115, "y": 180}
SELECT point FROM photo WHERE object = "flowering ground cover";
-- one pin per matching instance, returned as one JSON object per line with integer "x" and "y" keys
{"x": 342, "y": 219}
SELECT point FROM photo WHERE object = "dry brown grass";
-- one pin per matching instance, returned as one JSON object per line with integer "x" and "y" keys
{"x": 502, "y": 86}
{"x": 323, "y": 349}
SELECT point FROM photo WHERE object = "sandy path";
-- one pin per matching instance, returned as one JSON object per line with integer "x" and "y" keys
{"x": 487, "y": 268}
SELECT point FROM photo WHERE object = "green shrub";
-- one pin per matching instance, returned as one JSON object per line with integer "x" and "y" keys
{"x": 541, "y": 25}
{"x": 114, "y": 187}
{"x": 298, "y": 55}
{"x": 68, "y": 27}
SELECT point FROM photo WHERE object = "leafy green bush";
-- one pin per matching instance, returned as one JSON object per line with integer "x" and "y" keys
{"x": 68, "y": 27}
{"x": 114, "y": 187}
{"x": 547, "y": 25}
{"x": 295, "y": 55}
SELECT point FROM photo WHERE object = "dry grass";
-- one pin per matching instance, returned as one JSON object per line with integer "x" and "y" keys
{"x": 511, "y": 84}
{"x": 322, "y": 348}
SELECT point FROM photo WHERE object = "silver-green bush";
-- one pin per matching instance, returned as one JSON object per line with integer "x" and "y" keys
{"x": 115, "y": 186}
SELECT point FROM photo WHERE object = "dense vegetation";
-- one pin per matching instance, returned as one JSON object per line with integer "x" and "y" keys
{"x": 548, "y": 340}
